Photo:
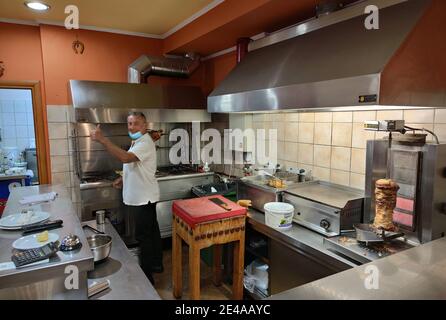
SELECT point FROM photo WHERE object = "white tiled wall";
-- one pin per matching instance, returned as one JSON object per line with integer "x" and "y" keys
{"x": 332, "y": 145}
{"x": 16, "y": 119}
{"x": 62, "y": 169}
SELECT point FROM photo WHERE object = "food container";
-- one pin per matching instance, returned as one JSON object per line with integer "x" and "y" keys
{"x": 100, "y": 216}
{"x": 279, "y": 215}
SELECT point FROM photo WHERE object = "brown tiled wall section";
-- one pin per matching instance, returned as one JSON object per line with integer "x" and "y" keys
{"x": 332, "y": 145}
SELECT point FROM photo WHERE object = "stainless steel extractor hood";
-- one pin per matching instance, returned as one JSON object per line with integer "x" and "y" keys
{"x": 110, "y": 102}
{"x": 335, "y": 63}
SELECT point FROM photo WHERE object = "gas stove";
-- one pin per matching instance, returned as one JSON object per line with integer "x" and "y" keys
{"x": 347, "y": 245}
{"x": 175, "y": 170}
{"x": 108, "y": 177}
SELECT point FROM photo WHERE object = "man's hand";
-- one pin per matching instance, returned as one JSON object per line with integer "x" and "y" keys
{"x": 97, "y": 135}
{"x": 117, "y": 183}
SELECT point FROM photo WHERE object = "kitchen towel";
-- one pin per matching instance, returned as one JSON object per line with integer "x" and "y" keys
{"x": 39, "y": 198}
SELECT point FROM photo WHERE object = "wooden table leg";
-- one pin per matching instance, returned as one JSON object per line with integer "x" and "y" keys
{"x": 217, "y": 265}
{"x": 237, "y": 276}
{"x": 194, "y": 271}
{"x": 177, "y": 264}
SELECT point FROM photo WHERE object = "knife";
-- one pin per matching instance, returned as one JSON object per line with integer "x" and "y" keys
{"x": 49, "y": 225}
{"x": 220, "y": 203}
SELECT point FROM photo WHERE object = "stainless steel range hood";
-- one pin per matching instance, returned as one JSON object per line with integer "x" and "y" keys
{"x": 110, "y": 102}
{"x": 335, "y": 63}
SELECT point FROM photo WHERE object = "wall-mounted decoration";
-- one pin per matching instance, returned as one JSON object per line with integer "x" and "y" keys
{"x": 78, "y": 46}
{"x": 2, "y": 68}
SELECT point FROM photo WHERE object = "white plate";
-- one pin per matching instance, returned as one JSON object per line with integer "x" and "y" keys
{"x": 30, "y": 242}
{"x": 20, "y": 220}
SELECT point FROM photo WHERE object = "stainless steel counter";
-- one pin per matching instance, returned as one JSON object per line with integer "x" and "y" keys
{"x": 13, "y": 177}
{"x": 299, "y": 238}
{"x": 417, "y": 273}
{"x": 127, "y": 280}
{"x": 45, "y": 281}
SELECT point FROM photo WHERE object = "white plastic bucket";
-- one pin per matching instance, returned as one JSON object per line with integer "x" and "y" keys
{"x": 279, "y": 215}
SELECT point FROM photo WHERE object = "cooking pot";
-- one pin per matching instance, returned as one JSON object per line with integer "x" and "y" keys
{"x": 100, "y": 245}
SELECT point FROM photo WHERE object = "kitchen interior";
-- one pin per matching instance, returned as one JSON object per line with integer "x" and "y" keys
{"x": 359, "y": 122}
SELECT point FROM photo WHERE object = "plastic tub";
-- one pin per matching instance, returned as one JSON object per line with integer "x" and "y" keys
{"x": 279, "y": 215}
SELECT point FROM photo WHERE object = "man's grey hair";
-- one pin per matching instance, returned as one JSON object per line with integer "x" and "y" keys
{"x": 137, "y": 114}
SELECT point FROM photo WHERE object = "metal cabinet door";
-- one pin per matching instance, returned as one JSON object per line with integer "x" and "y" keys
{"x": 164, "y": 216}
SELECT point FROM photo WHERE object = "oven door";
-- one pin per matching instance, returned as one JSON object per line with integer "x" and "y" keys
{"x": 315, "y": 216}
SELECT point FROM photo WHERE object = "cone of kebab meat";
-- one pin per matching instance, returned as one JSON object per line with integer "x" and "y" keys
{"x": 385, "y": 202}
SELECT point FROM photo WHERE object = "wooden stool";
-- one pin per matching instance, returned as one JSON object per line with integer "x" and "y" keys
{"x": 201, "y": 224}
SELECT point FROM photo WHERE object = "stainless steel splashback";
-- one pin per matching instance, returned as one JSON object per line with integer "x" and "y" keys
{"x": 91, "y": 158}
{"x": 110, "y": 102}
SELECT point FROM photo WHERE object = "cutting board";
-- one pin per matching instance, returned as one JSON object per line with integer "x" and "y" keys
{"x": 201, "y": 210}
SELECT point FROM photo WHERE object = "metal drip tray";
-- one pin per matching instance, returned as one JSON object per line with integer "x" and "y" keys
{"x": 347, "y": 245}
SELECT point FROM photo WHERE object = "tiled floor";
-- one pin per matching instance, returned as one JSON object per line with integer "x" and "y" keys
{"x": 163, "y": 281}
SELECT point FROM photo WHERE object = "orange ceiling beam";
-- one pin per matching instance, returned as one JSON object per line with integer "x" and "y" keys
{"x": 223, "y": 14}
{"x": 221, "y": 27}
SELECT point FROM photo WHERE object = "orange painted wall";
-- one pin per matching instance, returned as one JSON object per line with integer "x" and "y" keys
{"x": 216, "y": 70}
{"x": 20, "y": 52}
{"x": 106, "y": 57}
{"x": 45, "y": 53}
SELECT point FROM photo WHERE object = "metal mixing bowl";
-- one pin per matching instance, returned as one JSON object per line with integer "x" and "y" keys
{"x": 100, "y": 245}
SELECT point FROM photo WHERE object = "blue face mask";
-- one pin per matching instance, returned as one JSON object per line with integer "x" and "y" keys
{"x": 135, "y": 135}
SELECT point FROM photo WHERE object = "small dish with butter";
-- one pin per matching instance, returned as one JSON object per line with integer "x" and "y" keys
{"x": 36, "y": 240}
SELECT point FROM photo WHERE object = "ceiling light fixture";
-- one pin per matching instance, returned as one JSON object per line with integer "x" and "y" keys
{"x": 38, "y": 6}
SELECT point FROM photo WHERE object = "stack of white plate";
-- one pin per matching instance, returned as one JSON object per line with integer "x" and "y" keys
{"x": 18, "y": 221}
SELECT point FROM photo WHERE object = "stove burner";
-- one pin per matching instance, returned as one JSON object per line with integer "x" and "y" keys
{"x": 160, "y": 172}
{"x": 175, "y": 170}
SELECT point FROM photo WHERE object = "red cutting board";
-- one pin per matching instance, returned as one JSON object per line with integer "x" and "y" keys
{"x": 200, "y": 210}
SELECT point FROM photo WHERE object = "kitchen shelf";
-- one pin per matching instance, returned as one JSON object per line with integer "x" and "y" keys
{"x": 258, "y": 294}
{"x": 257, "y": 254}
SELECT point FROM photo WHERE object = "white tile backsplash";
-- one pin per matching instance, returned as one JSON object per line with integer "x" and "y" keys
{"x": 21, "y": 131}
{"x": 361, "y": 116}
{"x": 57, "y": 113}
{"x": 390, "y": 115}
{"x": 20, "y": 119}
{"x": 20, "y": 106}
{"x": 306, "y": 117}
{"x": 342, "y": 134}
{"x": 57, "y": 130}
{"x": 340, "y": 177}
{"x": 342, "y": 116}
{"x": 419, "y": 116}
{"x": 306, "y": 132}
{"x": 334, "y": 143}
{"x": 59, "y": 147}
{"x": 9, "y": 132}
{"x": 8, "y": 119}
{"x": 14, "y": 123}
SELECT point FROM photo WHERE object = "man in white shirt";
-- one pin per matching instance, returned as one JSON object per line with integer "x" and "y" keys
{"x": 140, "y": 190}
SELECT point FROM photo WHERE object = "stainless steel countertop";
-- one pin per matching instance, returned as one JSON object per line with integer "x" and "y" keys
{"x": 417, "y": 273}
{"x": 299, "y": 238}
{"x": 12, "y": 176}
{"x": 60, "y": 208}
{"x": 127, "y": 280}
{"x": 106, "y": 184}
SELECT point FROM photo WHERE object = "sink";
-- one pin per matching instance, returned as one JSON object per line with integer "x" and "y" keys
{"x": 213, "y": 189}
